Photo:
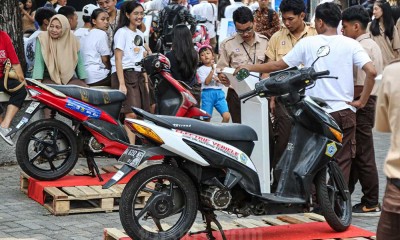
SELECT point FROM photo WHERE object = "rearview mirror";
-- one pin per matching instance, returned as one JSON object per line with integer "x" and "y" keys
{"x": 138, "y": 41}
{"x": 323, "y": 51}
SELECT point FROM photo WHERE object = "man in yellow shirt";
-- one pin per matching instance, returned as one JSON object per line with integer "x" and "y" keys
{"x": 387, "y": 120}
{"x": 293, "y": 13}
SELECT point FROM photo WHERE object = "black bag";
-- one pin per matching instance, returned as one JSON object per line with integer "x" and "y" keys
{"x": 171, "y": 19}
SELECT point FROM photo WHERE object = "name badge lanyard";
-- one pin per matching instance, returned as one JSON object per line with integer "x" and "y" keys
{"x": 255, "y": 50}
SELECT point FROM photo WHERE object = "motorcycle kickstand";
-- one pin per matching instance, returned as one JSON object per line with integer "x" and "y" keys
{"x": 93, "y": 168}
{"x": 209, "y": 216}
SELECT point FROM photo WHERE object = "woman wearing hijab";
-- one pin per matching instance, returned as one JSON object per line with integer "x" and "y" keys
{"x": 57, "y": 57}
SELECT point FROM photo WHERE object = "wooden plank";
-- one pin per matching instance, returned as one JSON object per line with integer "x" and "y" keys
{"x": 196, "y": 227}
{"x": 24, "y": 182}
{"x": 244, "y": 223}
{"x": 106, "y": 193}
{"x": 225, "y": 226}
{"x": 289, "y": 219}
{"x": 75, "y": 192}
{"x": 314, "y": 216}
{"x": 55, "y": 193}
{"x": 107, "y": 204}
{"x": 301, "y": 218}
{"x": 274, "y": 221}
{"x": 113, "y": 234}
{"x": 88, "y": 191}
{"x": 258, "y": 223}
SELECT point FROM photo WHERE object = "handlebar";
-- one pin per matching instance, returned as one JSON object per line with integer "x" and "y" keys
{"x": 248, "y": 94}
{"x": 315, "y": 75}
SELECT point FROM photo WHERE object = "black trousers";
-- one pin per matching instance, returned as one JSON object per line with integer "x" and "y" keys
{"x": 363, "y": 166}
{"x": 16, "y": 98}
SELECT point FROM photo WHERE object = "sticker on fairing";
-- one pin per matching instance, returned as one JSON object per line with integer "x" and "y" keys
{"x": 331, "y": 149}
{"x": 83, "y": 108}
{"x": 220, "y": 147}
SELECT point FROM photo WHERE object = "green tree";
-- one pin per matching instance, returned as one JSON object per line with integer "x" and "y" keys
{"x": 10, "y": 22}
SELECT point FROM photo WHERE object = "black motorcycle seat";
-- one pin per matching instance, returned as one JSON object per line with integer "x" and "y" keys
{"x": 90, "y": 95}
{"x": 217, "y": 131}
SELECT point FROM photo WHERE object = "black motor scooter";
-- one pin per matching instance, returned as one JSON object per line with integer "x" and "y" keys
{"x": 207, "y": 168}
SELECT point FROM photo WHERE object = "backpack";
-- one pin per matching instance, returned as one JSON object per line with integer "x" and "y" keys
{"x": 171, "y": 19}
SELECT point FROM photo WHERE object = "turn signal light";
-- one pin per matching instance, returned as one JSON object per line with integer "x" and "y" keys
{"x": 146, "y": 132}
{"x": 338, "y": 135}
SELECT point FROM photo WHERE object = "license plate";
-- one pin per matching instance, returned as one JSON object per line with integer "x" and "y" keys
{"x": 32, "y": 107}
{"x": 132, "y": 157}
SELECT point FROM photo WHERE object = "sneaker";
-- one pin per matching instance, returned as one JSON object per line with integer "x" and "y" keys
{"x": 362, "y": 209}
{"x": 3, "y": 133}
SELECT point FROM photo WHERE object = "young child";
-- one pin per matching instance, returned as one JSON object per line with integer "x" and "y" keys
{"x": 211, "y": 94}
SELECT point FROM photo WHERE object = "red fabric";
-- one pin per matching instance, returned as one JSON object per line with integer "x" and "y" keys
{"x": 36, "y": 187}
{"x": 6, "y": 51}
{"x": 305, "y": 231}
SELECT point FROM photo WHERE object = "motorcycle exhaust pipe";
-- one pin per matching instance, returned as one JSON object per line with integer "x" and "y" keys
{"x": 122, "y": 172}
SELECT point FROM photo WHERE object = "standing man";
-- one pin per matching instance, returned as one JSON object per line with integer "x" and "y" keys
{"x": 113, "y": 13}
{"x": 70, "y": 13}
{"x": 60, "y": 4}
{"x": 245, "y": 47}
{"x": 387, "y": 120}
{"x": 228, "y": 13}
{"x": 208, "y": 11}
{"x": 355, "y": 21}
{"x": 266, "y": 20}
{"x": 281, "y": 42}
{"x": 338, "y": 93}
{"x": 172, "y": 15}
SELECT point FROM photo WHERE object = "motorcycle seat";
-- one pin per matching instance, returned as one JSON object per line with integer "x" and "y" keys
{"x": 217, "y": 131}
{"x": 89, "y": 95}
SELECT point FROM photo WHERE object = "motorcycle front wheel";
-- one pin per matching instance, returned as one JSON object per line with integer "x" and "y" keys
{"x": 159, "y": 202}
{"x": 47, "y": 149}
{"x": 334, "y": 197}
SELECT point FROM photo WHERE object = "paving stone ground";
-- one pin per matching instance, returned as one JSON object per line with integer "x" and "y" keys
{"x": 22, "y": 218}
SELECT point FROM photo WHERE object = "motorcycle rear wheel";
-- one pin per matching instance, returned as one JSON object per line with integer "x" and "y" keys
{"x": 331, "y": 186}
{"x": 47, "y": 149}
{"x": 155, "y": 197}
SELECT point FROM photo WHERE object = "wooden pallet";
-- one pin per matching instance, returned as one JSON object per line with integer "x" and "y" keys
{"x": 82, "y": 199}
{"x": 117, "y": 234}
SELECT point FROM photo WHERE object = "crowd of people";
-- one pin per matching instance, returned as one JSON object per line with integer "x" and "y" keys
{"x": 364, "y": 39}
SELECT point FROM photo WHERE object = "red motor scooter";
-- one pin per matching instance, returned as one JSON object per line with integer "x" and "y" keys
{"x": 48, "y": 149}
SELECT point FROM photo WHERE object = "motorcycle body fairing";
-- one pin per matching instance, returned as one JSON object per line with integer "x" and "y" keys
{"x": 311, "y": 145}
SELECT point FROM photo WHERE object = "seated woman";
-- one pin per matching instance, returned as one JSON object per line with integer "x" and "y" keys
{"x": 95, "y": 50}
{"x": 57, "y": 56}
{"x": 183, "y": 57}
{"x": 16, "y": 97}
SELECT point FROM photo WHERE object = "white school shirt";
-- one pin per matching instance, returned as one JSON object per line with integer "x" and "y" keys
{"x": 123, "y": 40}
{"x": 94, "y": 46}
{"x": 30, "y": 47}
{"x": 202, "y": 73}
{"x": 344, "y": 53}
{"x": 205, "y": 9}
{"x": 81, "y": 33}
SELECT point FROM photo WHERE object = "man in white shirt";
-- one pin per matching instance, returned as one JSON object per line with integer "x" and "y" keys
{"x": 42, "y": 17}
{"x": 60, "y": 4}
{"x": 231, "y": 8}
{"x": 339, "y": 94}
{"x": 208, "y": 11}
{"x": 87, "y": 11}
